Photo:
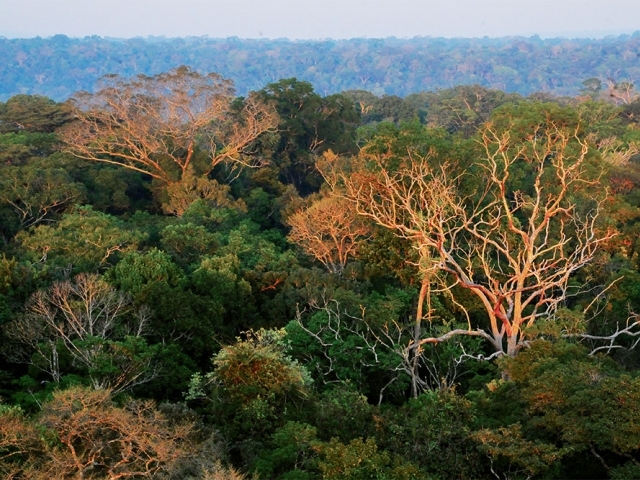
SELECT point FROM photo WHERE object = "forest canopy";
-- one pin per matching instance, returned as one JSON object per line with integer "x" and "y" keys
{"x": 300, "y": 285}
{"x": 59, "y": 66}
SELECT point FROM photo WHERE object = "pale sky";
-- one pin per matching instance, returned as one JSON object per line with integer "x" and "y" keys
{"x": 316, "y": 19}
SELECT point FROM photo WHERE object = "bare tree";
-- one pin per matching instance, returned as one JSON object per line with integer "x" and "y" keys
{"x": 95, "y": 438}
{"x": 621, "y": 93}
{"x": 157, "y": 125}
{"x": 99, "y": 440}
{"x": 390, "y": 345}
{"x": 514, "y": 249}
{"x": 85, "y": 317}
{"x": 329, "y": 230}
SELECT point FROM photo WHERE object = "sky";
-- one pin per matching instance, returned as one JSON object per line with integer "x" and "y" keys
{"x": 318, "y": 19}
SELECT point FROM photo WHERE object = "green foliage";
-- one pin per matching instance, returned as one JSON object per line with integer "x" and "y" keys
{"x": 264, "y": 208}
{"x": 565, "y": 404}
{"x": 128, "y": 356}
{"x": 16, "y": 284}
{"x": 564, "y": 322}
{"x": 519, "y": 457}
{"x": 174, "y": 368}
{"x": 179, "y": 314}
{"x": 253, "y": 388}
{"x": 220, "y": 278}
{"x": 344, "y": 413}
{"x": 361, "y": 460}
{"x": 265, "y": 264}
{"x": 296, "y": 453}
{"x": 218, "y": 265}
{"x": 33, "y": 113}
{"x": 387, "y": 257}
{"x": 364, "y": 339}
{"x": 256, "y": 368}
{"x": 433, "y": 431}
{"x": 339, "y": 354}
{"x": 110, "y": 189}
{"x": 193, "y": 188}
{"x": 310, "y": 125}
{"x": 31, "y": 393}
{"x": 291, "y": 454}
{"x": 138, "y": 272}
{"x": 37, "y": 195}
{"x": 628, "y": 471}
{"x": 85, "y": 239}
{"x": 461, "y": 109}
{"x": 17, "y": 148}
{"x": 187, "y": 242}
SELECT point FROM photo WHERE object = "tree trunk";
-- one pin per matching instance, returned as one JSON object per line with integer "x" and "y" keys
{"x": 417, "y": 333}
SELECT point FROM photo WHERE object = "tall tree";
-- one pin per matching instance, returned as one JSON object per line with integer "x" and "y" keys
{"x": 309, "y": 125}
{"x": 167, "y": 124}
{"x": 515, "y": 243}
{"x": 35, "y": 194}
{"x": 94, "y": 438}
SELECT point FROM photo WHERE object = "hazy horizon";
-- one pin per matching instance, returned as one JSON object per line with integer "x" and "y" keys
{"x": 578, "y": 35}
{"x": 318, "y": 19}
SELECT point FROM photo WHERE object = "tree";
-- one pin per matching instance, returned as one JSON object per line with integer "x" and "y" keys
{"x": 33, "y": 113}
{"x": 360, "y": 459}
{"x": 105, "y": 441}
{"x": 516, "y": 242}
{"x": 343, "y": 346}
{"x": 329, "y": 230}
{"x": 433, "y": 431}
{"x": 309, "y": 125}
{"x": 36, "y": 194}
{"x": 578, "y": 414}
{"x": 166, "y": 124}
{"x": 192, "y": 188}
{"x": 253, "y": 382}
{"x": 20, "y": 443}
{"x": 94, "y": 438}
{"x": 86, "y": 320}
{"x": 621, "y": 93}
{"x": 85, "y": 239}
{"x": 591, "y": 88}
{"x": 461, "y": 109}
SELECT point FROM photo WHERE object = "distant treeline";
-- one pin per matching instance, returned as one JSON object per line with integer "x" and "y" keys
{"x": 58, "y": 66}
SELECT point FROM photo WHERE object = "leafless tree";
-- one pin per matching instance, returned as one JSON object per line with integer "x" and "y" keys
{"x": 82, "y": 316}
{"x": 621, "y": 93}
{"x": 389, "y": 344}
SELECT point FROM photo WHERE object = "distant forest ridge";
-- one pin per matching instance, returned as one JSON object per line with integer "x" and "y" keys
{"x": 59, "y": 66}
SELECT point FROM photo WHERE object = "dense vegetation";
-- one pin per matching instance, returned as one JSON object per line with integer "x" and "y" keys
{"x": 298, "y": 286}
{"x": 59, "y": 66}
